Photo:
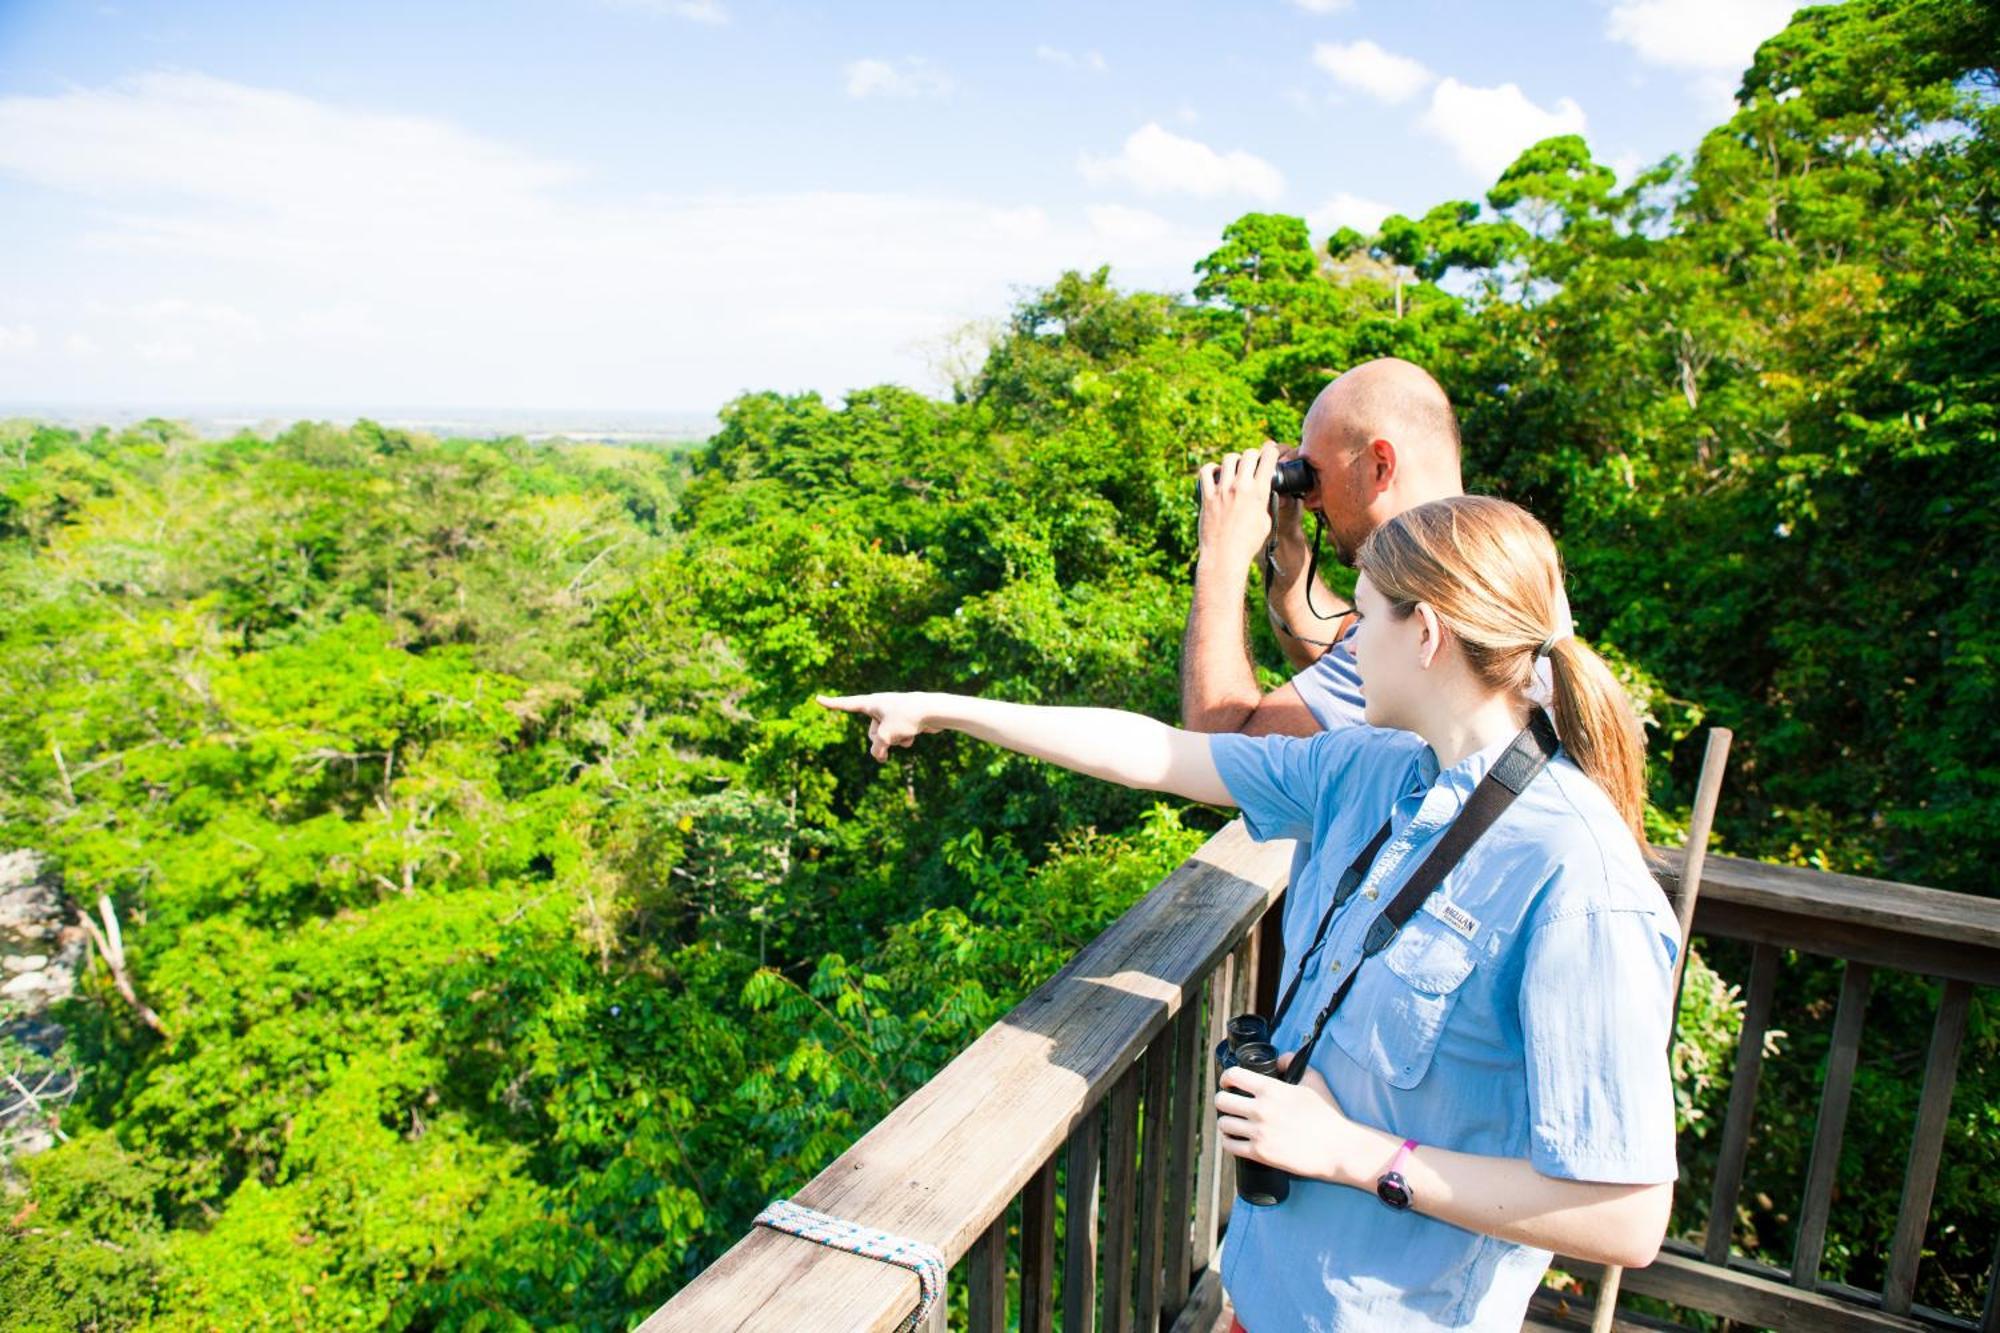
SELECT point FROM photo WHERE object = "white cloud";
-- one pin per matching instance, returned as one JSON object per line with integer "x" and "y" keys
{"x": 1349, "y": 210}
{"x": 1379, "y": 73}
{"x": 1116, "y": 222}
{"x": 1322, "y": 6}
{"x": 1092, "y": 61}
{"x": 195, "y": 136}
{"x": 913, "y": 77}
{"x": 1158, "y": 161}
{"x": 1488, "y": 127}
{"x": 1712, "y": 41}
{"x": 16, "y": 339}
{"x": 222, "y": 243}
{"x": 1718, "y": 36}
{"x": 1143, "y": 239}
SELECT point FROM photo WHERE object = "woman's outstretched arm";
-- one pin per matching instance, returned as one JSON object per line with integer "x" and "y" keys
{"x": 1127, "y": 748}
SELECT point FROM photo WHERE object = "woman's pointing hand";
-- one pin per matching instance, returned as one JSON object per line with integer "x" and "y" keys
{"x": 893, "y": 719}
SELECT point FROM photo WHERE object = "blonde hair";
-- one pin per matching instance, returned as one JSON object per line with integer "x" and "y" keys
{"x": 1491, "y": 573}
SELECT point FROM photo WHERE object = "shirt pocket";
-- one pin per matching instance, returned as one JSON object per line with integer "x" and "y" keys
{"x": 1392, "y": 1020}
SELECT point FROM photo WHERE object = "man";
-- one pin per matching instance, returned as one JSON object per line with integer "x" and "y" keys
{"x": 1381, "y": 439}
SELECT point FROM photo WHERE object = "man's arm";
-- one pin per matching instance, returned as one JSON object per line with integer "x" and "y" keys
{"x": 1284, "y": 564}
{"x": 1219, "y": 690}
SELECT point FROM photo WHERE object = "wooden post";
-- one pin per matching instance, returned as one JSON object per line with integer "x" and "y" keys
{"x": 1080, "y": 1228}
{"x": 1926, "y": 1148}
{"x": 1038, "y": 1251}
{"x": 1707, "y": 790}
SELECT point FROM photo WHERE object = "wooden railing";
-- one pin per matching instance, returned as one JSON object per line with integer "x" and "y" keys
{"x": 1073, "y": 1144}
{"x": 1870, "y": 925}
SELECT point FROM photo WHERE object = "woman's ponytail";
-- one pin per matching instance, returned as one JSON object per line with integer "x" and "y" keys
{"x": 1595, "y": 720}
{"x": 1492, "y": 573}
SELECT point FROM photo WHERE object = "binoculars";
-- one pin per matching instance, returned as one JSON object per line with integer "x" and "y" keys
{"x": 1249, "y": 1045}
{"x": 1294, "y": 477}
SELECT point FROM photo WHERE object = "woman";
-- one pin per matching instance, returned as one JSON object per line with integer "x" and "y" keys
{"x": 1506, "y": 1055}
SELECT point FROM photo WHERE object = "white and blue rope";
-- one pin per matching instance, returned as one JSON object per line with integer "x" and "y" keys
{"x": 926, "y": 1261}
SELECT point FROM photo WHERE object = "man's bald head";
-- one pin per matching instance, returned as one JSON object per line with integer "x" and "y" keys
{"x": 1395, "y": 400}
{"x": 1381, "y": 439}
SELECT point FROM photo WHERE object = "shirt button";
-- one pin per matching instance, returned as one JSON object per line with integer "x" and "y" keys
{"x": 1372, "y": 894}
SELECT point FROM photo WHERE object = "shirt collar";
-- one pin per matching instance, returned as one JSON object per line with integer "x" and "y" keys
{"x": 1462, "y": 776}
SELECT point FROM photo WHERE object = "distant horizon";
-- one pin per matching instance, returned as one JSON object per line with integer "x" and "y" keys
{"x": 220, "y": 420}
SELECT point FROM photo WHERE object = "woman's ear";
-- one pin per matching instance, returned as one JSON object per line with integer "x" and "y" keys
{"x": 1430, "y": 640}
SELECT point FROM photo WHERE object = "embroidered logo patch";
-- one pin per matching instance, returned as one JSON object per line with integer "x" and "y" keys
{"x": 1460, "y": 920}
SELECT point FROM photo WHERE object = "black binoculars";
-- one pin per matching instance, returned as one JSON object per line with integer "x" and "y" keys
{"x": 1294, "y": 477}
{"x": 1249, "y": 1045}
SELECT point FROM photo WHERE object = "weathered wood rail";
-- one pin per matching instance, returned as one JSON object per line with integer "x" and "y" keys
{"x": 1072, "y": 1143}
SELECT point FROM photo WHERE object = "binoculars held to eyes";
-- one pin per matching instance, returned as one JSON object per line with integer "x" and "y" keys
{"x": 1294, "y": 477}
{"x": 1249, "y": 1045}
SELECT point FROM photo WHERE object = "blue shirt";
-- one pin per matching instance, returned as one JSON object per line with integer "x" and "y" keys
{"x": 1524, "y": 1012}
{"x": 1331, "y": 689}
{"x": 1331, "y": 686}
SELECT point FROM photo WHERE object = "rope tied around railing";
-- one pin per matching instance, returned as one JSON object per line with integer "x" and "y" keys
{"x": 837, "y": 1233}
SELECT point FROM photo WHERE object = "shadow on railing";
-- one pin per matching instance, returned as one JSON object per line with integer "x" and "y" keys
{"x": 1072, "y": 1144}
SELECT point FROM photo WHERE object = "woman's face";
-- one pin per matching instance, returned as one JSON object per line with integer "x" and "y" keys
{"x": 1388, "y": 655}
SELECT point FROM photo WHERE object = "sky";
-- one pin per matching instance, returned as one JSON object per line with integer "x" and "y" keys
{"x": 656, "y": 205}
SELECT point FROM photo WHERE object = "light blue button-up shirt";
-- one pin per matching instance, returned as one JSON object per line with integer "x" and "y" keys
{"x": 1523, "y": 1012}
{"x": 1331, "y": 691}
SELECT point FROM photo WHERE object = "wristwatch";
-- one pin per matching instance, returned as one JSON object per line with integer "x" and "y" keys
{"x": 1392, "y": 1189}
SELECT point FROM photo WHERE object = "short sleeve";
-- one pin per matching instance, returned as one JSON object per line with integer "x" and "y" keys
{"x": 1283, "y": 783}
{"x": 1271, "y": 780}
{"x": 1596, "y": 1011}
{"x": 1331, "y": 688}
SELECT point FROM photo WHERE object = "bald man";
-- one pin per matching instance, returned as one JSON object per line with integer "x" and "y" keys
{"x": 1381, "y": 439}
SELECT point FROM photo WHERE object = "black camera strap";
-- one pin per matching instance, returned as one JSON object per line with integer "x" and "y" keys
{"x": 1312, "y": 576}
{"x": 1508, "y": 778}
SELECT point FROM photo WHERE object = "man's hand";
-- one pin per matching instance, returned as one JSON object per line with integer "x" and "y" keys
{"x": 1236, "y": 505}
{"x": 1292, "y": 551}
{"x": 893, "y": 719}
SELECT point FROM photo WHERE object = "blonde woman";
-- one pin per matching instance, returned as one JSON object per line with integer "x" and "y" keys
{"x": 1494, "y": 1085}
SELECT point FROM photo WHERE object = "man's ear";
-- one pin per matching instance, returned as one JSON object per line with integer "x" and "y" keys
{"x": 1381, "y": 464}
{"x": 1431, "y": 642}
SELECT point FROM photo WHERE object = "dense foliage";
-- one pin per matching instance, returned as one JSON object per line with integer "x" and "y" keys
{"x": 517, "y": 924}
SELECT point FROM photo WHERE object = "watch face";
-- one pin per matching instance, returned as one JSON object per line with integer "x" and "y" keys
{"x": 1391, "y": 1190}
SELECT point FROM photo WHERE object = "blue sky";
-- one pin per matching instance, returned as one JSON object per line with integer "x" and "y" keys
{"x": 656, "y": 204}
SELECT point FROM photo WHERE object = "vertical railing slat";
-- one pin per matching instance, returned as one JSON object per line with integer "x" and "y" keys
{"x": 1832, "y": 1124}
{"x": 1038, "y": 1250}
{"x": 1121, "y": 1149}
{"x": 1081, "y": 1171}
{"x": 1742, "y": 1103}
{"x": 1208, "y": 1196}
{"x": 1183, "y": 1131}
{"x": 1989, "y": 1319}
{"x": 1153, "y": 1176}
{"x": 1242, "y": 987}
{"x": 986, "y": 1279}
{"x": 1926, "y": 1147}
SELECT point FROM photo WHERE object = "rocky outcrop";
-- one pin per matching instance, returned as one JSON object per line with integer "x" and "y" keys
{"x": 42, "y": 948}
